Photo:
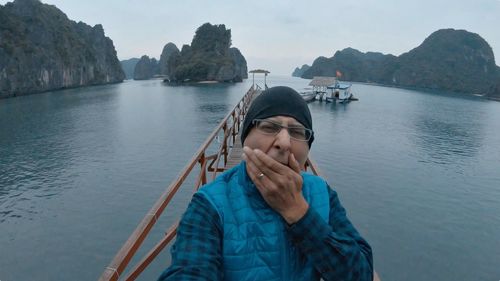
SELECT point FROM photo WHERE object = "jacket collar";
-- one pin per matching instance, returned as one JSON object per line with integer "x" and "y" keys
{"x": 244, "y": 179}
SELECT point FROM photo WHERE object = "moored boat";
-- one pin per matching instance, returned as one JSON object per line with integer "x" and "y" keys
{"x": 322, "y": 87}
{"x": 308, "y": 95}
{"x": 343, "y": 92}
{"x": 330, "y": 89}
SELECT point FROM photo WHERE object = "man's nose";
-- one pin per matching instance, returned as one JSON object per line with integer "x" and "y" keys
{"x": 282, "y": 139}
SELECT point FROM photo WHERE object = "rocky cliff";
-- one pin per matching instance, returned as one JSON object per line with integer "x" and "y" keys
{"x": 209, "y": 58}
{"x": 298, "y": 72}
{"x": 494, "y": 93}
{"x": 170, "y": 50}
{"x": 42, "y": 50}
{"x": 452, "y": 60}
{"x": 128, "y": 67}
{"x": 146, "y": 68}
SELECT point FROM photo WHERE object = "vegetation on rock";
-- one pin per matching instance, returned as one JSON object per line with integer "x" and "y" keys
{"x": 146, "y": 68}
{"x": 42, "y": 50}
{"x": 209, "y": 58}
{"x": 169, "y": 51}
{"x": 449, "y": 59}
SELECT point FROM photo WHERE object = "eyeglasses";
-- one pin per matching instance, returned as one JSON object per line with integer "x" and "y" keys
{"x": 272, "y": 128}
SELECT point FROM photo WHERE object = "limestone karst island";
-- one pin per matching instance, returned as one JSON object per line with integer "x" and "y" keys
{"x": 449, "y": 59}
{"x": 210, "y": 57}
{"x": 42, "y": 50}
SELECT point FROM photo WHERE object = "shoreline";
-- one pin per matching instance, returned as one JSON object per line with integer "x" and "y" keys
{"x": 485, "y": 96}
{"x": 15, "y": 95}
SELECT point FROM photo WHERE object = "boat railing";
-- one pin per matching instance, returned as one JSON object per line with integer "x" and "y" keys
{"x": 210, "y": 165}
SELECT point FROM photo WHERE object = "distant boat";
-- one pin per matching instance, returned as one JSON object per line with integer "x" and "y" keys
{"x": 342, "y": 92}
{"x": 322, "y": 86}
{"x": 308, "y": 96}
{"x": 330, "y": 89}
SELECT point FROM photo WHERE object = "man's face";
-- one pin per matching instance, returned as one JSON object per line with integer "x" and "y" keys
{"x": 279, "y": 146}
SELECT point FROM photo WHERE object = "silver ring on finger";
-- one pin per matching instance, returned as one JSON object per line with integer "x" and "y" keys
{"x": 261, "y": 175}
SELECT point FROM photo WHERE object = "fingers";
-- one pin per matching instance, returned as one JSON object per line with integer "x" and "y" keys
{"x": 253, "y": 171}
{"x": 263, "y": 163}
{"x": 269, "y": 164}
{"x": 273, "y": 170}
{"x": 294, "y": 164}
{"x": 282, "y": 191}
{"x": 262, "y": 183}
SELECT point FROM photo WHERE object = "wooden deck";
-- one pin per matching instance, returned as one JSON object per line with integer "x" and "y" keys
{"x": 234, "y": 157}
{"x": 235, "y": 154}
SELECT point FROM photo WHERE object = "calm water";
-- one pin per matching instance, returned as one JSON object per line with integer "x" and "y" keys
{"x": 419, "y": 174}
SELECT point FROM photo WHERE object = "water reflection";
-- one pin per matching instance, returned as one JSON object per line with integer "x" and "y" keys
{"x": 212, "y": 108}
{"x": 445, "y": 142}
{"x": 449, "y": 137}
{"x": 40, "y": 136}
{"x": 211, "y": 99}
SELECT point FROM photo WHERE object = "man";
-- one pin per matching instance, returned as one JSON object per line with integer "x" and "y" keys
{"x": 265, "y": 219}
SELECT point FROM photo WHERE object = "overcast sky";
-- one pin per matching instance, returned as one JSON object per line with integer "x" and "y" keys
{"x": 280, "y": 35}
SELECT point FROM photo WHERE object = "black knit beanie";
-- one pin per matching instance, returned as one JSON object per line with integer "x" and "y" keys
{"x": 276, "y": 101}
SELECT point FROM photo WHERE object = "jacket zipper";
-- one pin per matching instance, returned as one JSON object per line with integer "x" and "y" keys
{"x": 286, "y": 255}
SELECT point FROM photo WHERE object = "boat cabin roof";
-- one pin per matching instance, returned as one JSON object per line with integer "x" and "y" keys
{"x": 259, "y": 71}
{"x": 341, "y": 86}
{"x": 323, "y": 81}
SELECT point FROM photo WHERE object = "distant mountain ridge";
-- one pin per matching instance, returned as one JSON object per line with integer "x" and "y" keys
{"x": 42, "y": 50}
{"x": 449, "y": 59}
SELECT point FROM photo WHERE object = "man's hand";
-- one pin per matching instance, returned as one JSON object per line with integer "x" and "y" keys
{"x": 280, "y": 185}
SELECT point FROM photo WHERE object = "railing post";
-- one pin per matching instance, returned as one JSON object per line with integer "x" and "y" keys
{"x": 238, "y": 123}
{"x": 224, "y": 145}
{"x": 233, "y": 133}
{"x": 202, "y": 169}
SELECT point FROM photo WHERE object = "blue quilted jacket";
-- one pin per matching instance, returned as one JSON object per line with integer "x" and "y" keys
{"x": 255, "y": 243}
